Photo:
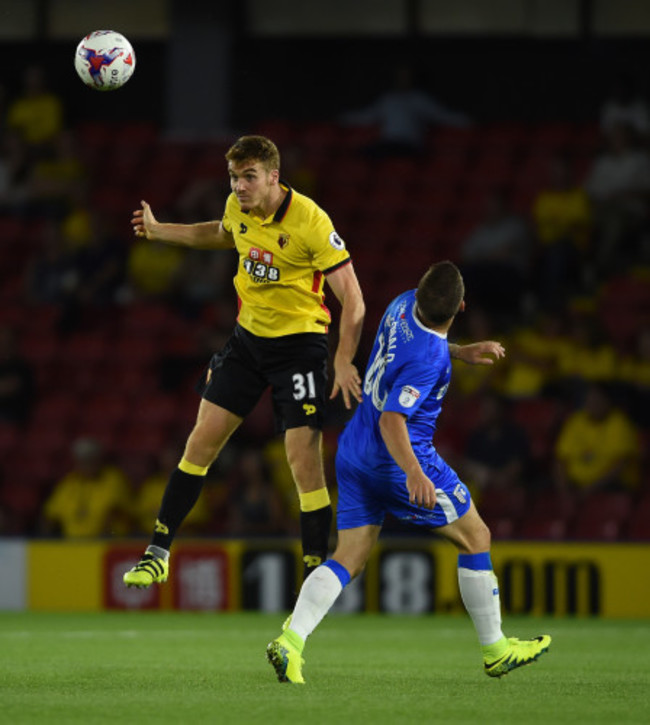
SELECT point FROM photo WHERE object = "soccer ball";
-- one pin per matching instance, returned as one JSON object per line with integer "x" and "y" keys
{"x": 104, "y": 60}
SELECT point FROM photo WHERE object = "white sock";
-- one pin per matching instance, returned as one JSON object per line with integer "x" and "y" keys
{"x": 480, "y": 594}
{"x": 318, "y": 593}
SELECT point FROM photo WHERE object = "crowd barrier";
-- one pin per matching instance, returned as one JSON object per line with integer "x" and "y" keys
{"x": 404, "y": 575}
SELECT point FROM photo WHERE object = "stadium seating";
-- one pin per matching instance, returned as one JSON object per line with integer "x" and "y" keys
{"x": 540, "y": 418}
{"x": 602, "y": 516}
{"x": 397, "y": 216}
{"x": 502, "y": 509}
{"x": 546, "y": 529}
{"x": 548, "y": 515}
{"x": 638, "y": 523}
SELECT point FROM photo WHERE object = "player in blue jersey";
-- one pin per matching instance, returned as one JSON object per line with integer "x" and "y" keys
{"x": 386, "y": 463}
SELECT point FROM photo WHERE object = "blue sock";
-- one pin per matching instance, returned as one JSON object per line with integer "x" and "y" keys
{"x": 341, "y": 572}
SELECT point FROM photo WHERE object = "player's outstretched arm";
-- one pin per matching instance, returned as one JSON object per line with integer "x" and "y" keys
{"x": 204, "y": 235}
{"x": 478, "y": 353}
{"x": 346, "y": 287}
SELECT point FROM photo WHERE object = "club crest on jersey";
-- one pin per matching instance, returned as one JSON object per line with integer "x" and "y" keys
{"x": 408, "y": 396}
{"x": 336, "y": 241}
{"x": 283, "y": 240}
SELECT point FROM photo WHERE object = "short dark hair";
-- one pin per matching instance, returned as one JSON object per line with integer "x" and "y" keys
{"x": 255, "y": 148}
{"x": 440, "y": 292}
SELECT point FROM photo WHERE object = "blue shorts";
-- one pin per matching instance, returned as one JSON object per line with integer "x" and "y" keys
{"x": 364, "y": 498}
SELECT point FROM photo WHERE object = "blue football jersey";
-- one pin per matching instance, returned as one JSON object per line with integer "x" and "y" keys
{"x": 408, "y": 372}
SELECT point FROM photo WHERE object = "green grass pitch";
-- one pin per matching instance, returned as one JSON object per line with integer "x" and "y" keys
{"x": 210, "y": 668}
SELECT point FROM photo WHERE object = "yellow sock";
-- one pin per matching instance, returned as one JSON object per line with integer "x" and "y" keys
{"x": 314, "y": 500}
{"x": 192, "y": 468}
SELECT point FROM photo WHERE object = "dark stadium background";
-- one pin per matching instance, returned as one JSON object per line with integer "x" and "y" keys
{"x": 495, "y": 78}
{"x": 298, "y": 85}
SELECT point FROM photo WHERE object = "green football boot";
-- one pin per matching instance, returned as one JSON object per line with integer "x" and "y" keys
{"x": 149, "y": 570}
{"x": 284, "y": 655}
{"x": 517, "y": 653}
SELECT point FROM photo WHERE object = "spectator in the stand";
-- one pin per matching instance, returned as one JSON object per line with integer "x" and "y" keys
{"x": 298, "y": 172}
{"x": 535, "y": 349}
{"x": 149, "y": 494}
{"x": 634, "y": 376}
{"x": 58, "y": 177}
{"x": 495, "y": 258}
{"x": 154, "y": 269}
{"x": 257, "y": 507}
{"x": 37, "y": 114}
{"x": 202, "y": 199}
{"x": 588, "y": 356}
{"x": 204, "y": 277}
{"x": 403, "y": 115}
{"x": 625, "y": 105}
{"x": 282, "y": 481}
{"x": 101, "y": 259}
{"x": 14, "y": 172}
{"x": 16, "y": 381}
{"x": 52, "y": 276}
{"x": 497, "y": 451}
{"x": 618, "y": 185}
{"x": 476, "y": 324}
{"x": 598, "y": 446}
{"x": 562, "y": 218}
{"x": 92, "y": 500}
{"x": 180, "y": 367}
{"x": 80, "y": 268}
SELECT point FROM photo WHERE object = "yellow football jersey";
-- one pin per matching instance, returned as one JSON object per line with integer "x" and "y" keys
{"x": 283, "y": 260}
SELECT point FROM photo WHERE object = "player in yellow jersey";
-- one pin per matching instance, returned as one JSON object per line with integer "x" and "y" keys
{"x": 287, "y": 248}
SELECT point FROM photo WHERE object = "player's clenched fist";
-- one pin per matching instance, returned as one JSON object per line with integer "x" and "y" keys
{"x": 143, "y": 221}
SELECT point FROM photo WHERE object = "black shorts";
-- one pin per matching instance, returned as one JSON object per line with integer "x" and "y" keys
{"x": 294, "y": 366}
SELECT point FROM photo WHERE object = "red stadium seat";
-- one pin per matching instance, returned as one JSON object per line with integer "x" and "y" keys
{"x": 56, "y": 410}
{"x": 113, "y": 199}
{"x": 147, "y": 319}
{"x": 107, "y": 407}
{"x": 41, "y": 321}
{"x": 133, "y": 350}
{"x": 354, "y": 138}
{"x": 40, "y": 350}
{"x": 503, "y": 501}
{"x": 154, "y": 411}
{"x": 43, "y": 441}
{"x": 138, "y": 134}
{"x": 280, "y": 130}
{"x": 508, "y": 136}
{"x": 318, "y": 135}
{"x": 450, "y": 165}
{"x": 85, "y": 350}
{"x": 548, "y": 503}
{"x": 36, "y": 473}
{"x": 602, "y": 516}
{"x": 638, "y": 523}
{"x": 141, "y": 440}
{"x": 586, "y": 139}
{"x": 552, "y": 136}
{"x": 455, "y": 138}
{"x": 21, "y": 502}
{"x": 540, "y": 418}
{"x": 549, "y": 529}
{"x": 9, "y": 439}
{"x": 502, "y": 509}
{"x": 132, "y": 382}
{"x": 258, "y": 425}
